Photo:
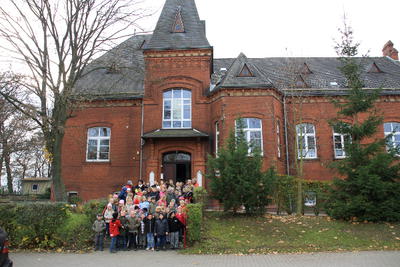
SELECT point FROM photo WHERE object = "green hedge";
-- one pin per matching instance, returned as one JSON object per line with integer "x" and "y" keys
{"x": 194, "y": 222}
{"x": 49, "y": 225}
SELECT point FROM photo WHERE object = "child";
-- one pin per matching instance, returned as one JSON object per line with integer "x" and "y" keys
{"x": 149, "y": 224}
{"x": 133, "y": 227}
{"x": 142, "y": 233}
{"x": 122, "y": 238}
{"x": 108, "y": 215}
{"x": 121, "y": 206}
{"x": 136, "y": 200}
{"x": 170, "y": 195}
{"x": 175, "y": 227}
{"x": 115, "y": 224}
{"x": 153, "y": 205}
{"x": 144, "y": 204}
{"x": 161, "y": 231}
{"x": 98, "y": 227}
{"x": 129, "y": 205}
{"x": 163, "y": 201}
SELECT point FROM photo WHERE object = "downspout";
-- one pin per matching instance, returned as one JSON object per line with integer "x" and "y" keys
{"x": 141, "y": 144}
{"x": 286, "y": 134}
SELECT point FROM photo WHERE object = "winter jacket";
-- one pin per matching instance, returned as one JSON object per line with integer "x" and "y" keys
{"x": 133, "y": 224}
{"x": 99, "y": 226}
{"x": 153, "y": 207}
{"x": 124, "y": 223}
{"x": 108, "y": 215}
{"x": 156, "y": 195}
{"x": 174, "y": 224}
{"x": 161, "y": 227}
{"x": 144, "y": 204}
{"x": 181, "y": 217}
{"x": 114, "y": 227}
{"x": 170, "y": 196}
{"x": 149, "y": 225}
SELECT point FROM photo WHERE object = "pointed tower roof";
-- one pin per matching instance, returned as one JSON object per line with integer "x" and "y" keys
{"x": 244, "y": 74}
{"x": 179, "y": 27}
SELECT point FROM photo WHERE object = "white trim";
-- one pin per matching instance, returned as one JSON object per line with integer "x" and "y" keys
{"x": 182, "y": 109}
{"x": 216, "y": 137}
{"x": 278, "y": 136}
{"x": 394, "y": 132}
{"x": 306, "y": 146}
{"x": 98, "y": 140}
{"x": 342, "y": 142}
{"x": 247, "y": 132}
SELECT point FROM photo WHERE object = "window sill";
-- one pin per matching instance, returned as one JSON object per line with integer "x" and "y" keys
{"x": 97, "y": 162}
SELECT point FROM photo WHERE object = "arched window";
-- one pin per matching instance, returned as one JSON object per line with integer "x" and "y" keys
{"x": 306, "y": 142}
{"x": 98, "y": 144}
{"x": 339, "y": 141}
{"x": 252, "y": 128}
{"x": 177, "y": 110}
{"x": 393, "y": 129}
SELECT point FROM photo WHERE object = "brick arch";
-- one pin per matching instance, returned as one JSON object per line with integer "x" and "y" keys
{"x": 184, "y": 82}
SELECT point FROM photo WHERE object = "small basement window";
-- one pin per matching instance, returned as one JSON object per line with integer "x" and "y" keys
{"x": 35, "y": 187}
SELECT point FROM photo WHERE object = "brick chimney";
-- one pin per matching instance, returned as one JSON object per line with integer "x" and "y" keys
{"x": 389, "y": 51}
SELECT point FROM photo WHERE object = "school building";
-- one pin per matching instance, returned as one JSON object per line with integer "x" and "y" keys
{"x": 157, "y": 105}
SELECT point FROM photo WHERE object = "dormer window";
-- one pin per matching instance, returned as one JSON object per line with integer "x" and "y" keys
{"x": 245, "y": 72}
{"x": 374, "y": 68}
{"x": 305, "y": 69}
{"x": 178, "y": 26}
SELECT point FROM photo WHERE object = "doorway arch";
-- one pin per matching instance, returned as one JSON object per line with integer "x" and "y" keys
{"x": 177, "y": 165}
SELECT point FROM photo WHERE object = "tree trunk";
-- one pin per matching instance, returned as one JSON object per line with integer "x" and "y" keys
{"x": 7, "y": 163}
{"x": 58, "y": 185}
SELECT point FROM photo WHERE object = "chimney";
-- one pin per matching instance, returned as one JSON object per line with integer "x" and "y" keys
{"x": 389, "y": 51}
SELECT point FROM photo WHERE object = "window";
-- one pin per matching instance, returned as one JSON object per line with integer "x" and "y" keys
{"x": 177, "y": 111}
{"x": 278, "y": 138}
{"x": 98, "y": 145}
{"x": 252, "y": 129}
{"x": 339, "y": 141}
{"x": 216, "y": 137}
{"x": 393, "y": 129}
{"x": 306, "y": 143}
{"x": 35, "y": 187}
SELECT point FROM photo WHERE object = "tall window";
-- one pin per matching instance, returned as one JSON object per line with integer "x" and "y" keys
{"x": 306, "y": 142}
{"x": 252, "y": 129}
{"x": 177, "y": 112}
{"x": 278, "y": 138}
{"x": 216, "y": 137}
{"x": 339, "y": 141}
{"x": 393, "y": 129}
{"x": 98, "y": 144}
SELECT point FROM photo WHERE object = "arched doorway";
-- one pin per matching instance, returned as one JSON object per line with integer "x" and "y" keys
{"x": 177, "y": 166}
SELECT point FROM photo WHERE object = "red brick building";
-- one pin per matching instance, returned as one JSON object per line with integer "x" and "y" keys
{"x": 159, "y": 104}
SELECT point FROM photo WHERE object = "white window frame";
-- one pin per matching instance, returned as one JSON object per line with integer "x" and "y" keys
{"x": 248, "y": 131}
{"x": 306, "y": 136}
{"x": 98, "y": 140}
{"x": 278, "y": 136}
{"x": 182, "y": 99}
{"x": 394, "y": 132}
{"x": 342, "y": 142}
{"x": 37, "y": 188}
{"x": 216, "y": 137}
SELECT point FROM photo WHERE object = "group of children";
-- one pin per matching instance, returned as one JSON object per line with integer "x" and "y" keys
{"x": 144, "y": 216}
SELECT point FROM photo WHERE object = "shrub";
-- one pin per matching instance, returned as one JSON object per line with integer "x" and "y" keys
{"x": 284, "y": 193}
{"x": 76, "y": 232}
{"x": 319, "y": 189}
{"x": 194, "y": 222}
{"x": 200, "y": 195}
{"x": 94, "y": 207}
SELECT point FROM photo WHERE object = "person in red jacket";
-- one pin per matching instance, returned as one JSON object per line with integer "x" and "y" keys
{"x": 115, "y": 225}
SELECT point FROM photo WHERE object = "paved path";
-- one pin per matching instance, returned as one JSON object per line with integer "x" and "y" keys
{"x": 166, "y": 259}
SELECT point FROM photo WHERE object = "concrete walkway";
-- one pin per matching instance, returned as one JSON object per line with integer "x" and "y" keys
{"x": 166, "y": 259}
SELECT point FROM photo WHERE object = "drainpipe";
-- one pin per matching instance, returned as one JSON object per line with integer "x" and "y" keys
{"x": 141, "y": 144}
{"x": 286, "y": 135}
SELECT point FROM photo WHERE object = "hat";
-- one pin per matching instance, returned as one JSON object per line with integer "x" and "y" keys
{"x": 121, "y": 201}
{"x": 128, "y": 189}
{"x": 109, "y": 205}
{"x": 130, "y": 182}
{"x": 99, "y": 215}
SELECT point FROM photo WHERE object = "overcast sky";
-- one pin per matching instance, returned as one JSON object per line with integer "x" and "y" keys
{"x": 273, "y": 28}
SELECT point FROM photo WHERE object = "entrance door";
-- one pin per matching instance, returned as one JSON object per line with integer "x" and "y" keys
{"x": 177, "y": 166}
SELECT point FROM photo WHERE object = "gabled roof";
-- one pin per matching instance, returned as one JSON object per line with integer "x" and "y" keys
{"x": 283, "y": 72}
{"x": 193, "y": 36}
{"x": 233, "y": 79}
{"x": 119, "y": 73}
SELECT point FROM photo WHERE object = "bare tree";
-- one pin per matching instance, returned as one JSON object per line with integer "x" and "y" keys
{"x": 55, "y": 40}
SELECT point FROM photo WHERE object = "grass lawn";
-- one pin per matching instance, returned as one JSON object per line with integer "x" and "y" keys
{"x": 272, "y": 234}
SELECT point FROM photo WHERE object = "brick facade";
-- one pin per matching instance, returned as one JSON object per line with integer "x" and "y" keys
{"x": 190, "y": 65}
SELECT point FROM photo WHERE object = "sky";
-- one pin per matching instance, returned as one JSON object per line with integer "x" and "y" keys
{"x": 301, "y": 28}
